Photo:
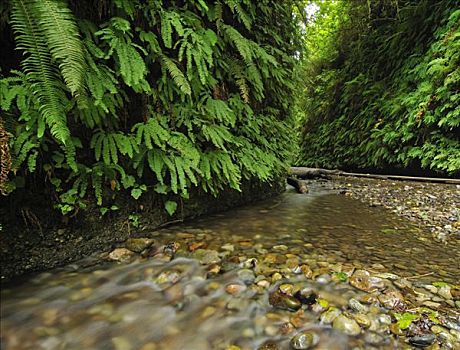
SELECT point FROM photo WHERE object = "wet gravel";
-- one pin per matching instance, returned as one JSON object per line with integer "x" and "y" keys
{"x": 432, "y": 206}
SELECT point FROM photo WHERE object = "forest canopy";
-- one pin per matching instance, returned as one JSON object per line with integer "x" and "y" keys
{"x": 103, "y": 96}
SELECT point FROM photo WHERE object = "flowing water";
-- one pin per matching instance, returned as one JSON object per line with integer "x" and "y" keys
{"x": 213, "y": 291}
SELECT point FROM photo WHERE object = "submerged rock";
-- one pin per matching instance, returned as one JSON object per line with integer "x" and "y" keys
{"x": 121, "y": 255}
{"x": 362, "y": 280}
{"x": 346, "y": 325}
{"x": 393, "y": 300}
{"x": 247, "y": 276}
{"x": 207, "y": 256}
{"x": 373, "y": 338}
{"x": 235, "y": 289}
{"x": 445, "y": 293}
{"x": 306, "y": 296}
{"x": 357, "y": 306}
{"x": 268, "y": 346}
{"x": 330, "y": 315}
{"x": 304, "y": 340}
{"x": 138, "y": 244}
{"x": 283, "y": 301}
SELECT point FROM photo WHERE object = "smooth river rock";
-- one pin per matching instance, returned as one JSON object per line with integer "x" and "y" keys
{"x": 304, "y": 340}
{"x": 346, "y": 325}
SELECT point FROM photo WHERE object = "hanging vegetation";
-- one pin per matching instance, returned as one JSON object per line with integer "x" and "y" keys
{"x": 382, "y": 85}
{"x": 133, "y": 95}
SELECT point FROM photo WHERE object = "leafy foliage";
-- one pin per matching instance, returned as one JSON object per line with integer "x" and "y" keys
{"x": 161, "y": 96}
{"x": 382, "y": 86}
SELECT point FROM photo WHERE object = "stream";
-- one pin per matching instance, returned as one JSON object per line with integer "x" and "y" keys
{"x": 315, "y": 271}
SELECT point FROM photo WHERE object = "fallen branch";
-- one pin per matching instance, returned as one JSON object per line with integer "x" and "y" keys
{"x": 418, "y": 276}
{"x": 311, "y": 173}
{"x": 299, "y": 185}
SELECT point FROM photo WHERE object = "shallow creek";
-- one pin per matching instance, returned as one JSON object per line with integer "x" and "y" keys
{"x": 315, "y": 271}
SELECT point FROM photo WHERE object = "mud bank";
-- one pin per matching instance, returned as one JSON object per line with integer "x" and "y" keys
{"x": 34, "y": 237}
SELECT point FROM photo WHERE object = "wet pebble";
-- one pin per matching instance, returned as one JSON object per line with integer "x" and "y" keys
{"x": 235, "y": 289}
{"x": 228, "y": 247}
{"x": 363, "y": 320}
{"x": 207, "y": 256}
{"x": 422, "y": 340}
{"x": 357, "y": 306}
{"x": 362, "y": 280}
{"x": 445, "y": 293}
{"x": 246, "y": 275}
{"x": 304, "y": 340}
{"x": 346, "y": 325}
{"x": 138, "y": 244}
{"x": 283, "y": 301}
{"x": 373, "y": 338}
{"x": 330, "y": 315}
{"x": 121, "y": 255}
{"x": 392, "y": 299}
{"x": 121, "y": 343}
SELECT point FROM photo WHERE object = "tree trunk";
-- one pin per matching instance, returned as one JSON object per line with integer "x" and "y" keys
{"x": 311, "y": 173}
{"x": 299, "y": 185}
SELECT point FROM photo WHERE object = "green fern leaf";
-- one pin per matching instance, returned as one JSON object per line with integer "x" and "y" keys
{"x": 243, "y": 17}
{"x": 241, "y": 43}
{"x": 39, "y": 69}
{"x": 60, "y": 31}
{"x": 179, "y": 78}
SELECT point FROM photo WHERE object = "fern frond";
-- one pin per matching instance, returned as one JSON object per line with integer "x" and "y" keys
{"x": 241, "y": 43}
{"x": 168, "y": 21}
{"x": 156, "y": 163}
{"x": 220, "y": 111}
{"x": 60, "y": 31}
{"x": 132, "y": 66}
{"x": 243, "y": 17}
{"x": 218, "y": 135}
{"x": 39, "y": 69}
{"x": 179, "y": 78}
{"x": 256, "y": 79}
{"x": 152, "y": 133}
{"x": 240, "y": 78}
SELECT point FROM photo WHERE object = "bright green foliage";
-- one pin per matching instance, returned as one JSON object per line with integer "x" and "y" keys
{"x": 405, "y": 319}
{"x": 139, "y": 96}
{"x": 382, "y": 86}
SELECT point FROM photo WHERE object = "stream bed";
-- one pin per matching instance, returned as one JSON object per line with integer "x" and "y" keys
{"x": 315, "y": 271}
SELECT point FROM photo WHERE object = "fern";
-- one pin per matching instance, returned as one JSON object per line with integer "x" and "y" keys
{"x": 220, "y": 112}
{"x": 23, "y": 146}
{"x": 43, "y": 76}
{"x": 168, "y": 21}
{"x": 198, "y": 48}
{"x": 240, "y": 78}
{"x": 218, "y": 135}
{"x": 129, "y": 6}
{"x": 151, "y": 134}
{"x": 219, "y": 166}
{"x": 179, "y": 78}
{"x": 60, "y": 31}
{"x": 108, "y": 145}
{"x": 241, "y": 43}
{"x": 172, "y": 95}
{"x": 235, "y": 6}
{"x": 131, "y": 65}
